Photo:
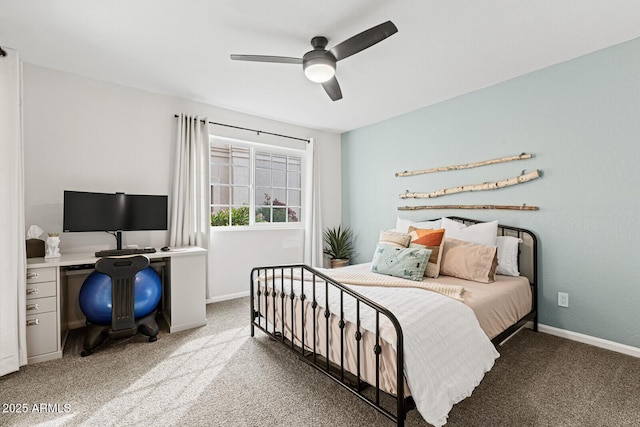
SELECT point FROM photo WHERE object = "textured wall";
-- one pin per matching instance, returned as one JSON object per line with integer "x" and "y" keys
{"x": 581, "y": 119}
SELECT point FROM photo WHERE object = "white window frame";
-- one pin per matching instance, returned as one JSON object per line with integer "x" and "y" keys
{"x": 272, "y": 149}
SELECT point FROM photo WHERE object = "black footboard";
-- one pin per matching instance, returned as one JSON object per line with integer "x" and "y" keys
{"x": 285, "y": 299}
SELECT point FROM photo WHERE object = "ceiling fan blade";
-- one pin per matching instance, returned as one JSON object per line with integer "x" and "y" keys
{"x": 333, "y": 89}
{"x": 266, "y": 58}
{"x": 363, "y": 40}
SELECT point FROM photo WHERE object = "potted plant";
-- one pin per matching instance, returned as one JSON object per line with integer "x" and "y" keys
{"x": 338, "y": 245}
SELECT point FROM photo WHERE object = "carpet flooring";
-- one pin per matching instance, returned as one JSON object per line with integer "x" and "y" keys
{"x": 217, "y": 375}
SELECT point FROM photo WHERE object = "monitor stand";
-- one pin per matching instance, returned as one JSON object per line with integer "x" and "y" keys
{"x": 118, "y": 236}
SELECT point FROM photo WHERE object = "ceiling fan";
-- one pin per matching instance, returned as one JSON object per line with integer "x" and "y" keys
{"x": 319, "y": 64}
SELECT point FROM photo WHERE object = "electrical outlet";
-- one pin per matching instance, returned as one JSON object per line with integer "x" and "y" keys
{"x": 563, "y": 299}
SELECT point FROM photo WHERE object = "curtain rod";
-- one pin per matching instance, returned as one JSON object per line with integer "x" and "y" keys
{"x": 253, "y": 130}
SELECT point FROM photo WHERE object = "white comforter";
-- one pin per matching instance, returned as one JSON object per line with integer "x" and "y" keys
{"x": 446, "y": 353}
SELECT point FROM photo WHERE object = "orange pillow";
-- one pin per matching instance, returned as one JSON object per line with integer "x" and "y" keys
{"x": 431, "y": 239}
{"x": 427, "y": 237}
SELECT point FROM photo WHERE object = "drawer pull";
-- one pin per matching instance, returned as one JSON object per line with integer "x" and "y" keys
{"x": 33, "y": 306}
{"x": 33, "y": 322}
{"x": 33, "y": 275}
{"x": 33, "y": 291}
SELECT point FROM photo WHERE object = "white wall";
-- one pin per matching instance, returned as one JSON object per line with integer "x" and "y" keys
{"x": 268, "y": 247}
{"x": 86, "y": 134}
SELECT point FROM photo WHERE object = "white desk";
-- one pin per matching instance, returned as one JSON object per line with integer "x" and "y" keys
{"x": 183, "y": 273}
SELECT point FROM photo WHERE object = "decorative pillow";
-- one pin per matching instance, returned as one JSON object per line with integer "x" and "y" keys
{"x": 469, "y": 261}
{"x": 407, "y": 263}
{"x": 508, "y": 247}
{"x": 431, "y": 239}
{"x": 429, "y": 225}
{"x": 402, "y": 225}
{"x": 394, "y": 238}
{"x": 483, "y": 233}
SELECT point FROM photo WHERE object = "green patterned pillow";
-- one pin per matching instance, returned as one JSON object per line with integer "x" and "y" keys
{"x": 407, "y": 263}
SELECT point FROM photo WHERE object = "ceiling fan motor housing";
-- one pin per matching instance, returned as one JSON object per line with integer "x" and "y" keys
{"x": 319, "y": 65}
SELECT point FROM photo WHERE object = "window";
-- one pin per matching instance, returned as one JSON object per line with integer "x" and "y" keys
{"x": 254, "y": 184}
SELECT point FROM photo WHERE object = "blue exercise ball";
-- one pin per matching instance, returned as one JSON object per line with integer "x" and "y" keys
{"x": 95, "y": 295}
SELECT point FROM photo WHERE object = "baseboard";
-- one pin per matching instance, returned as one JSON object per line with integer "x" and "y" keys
{"x": 587, "y": 339}
{"x": 228, "y": 297}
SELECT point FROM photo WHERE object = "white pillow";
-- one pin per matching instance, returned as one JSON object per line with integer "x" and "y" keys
{"x": 402, "y": 225}
{"x": 484, "y": 233}
{"x": 508, "y": 255}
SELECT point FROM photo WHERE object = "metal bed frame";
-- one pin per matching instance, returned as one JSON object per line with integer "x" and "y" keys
{"x": 263, "y": 315}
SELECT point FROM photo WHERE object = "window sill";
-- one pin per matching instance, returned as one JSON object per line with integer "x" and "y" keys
{"x": 270, "y": 227}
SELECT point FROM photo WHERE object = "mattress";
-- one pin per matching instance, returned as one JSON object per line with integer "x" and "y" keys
{"x": 497, "y": 305}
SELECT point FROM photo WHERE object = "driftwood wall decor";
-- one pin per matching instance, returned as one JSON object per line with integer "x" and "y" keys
{"x": 522, "y": 178}
{"x": 511, "y": 207}
{"x": 521, "y": 156}
{"x": 475, "y": 187}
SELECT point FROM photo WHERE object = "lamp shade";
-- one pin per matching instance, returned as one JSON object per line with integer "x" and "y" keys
{"x": 319, "y": 73}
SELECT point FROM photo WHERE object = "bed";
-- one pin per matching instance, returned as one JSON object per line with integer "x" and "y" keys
{"x": 397, "y": 344}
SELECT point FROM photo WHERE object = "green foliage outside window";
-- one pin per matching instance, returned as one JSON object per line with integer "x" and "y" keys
{"x": 239, "y": 216}
{"x": 279, "y": 214}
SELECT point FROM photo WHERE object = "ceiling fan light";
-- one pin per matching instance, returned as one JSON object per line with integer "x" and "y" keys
{"x": 319, "y": 71}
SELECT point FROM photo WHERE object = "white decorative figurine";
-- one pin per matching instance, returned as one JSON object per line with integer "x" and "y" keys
{"x": 52, "y": 250}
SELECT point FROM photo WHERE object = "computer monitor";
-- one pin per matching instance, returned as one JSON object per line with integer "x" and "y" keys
{"x": 85, "y": 211}
{"x": 114, "y": 212}
{"x": 145, "y": 212}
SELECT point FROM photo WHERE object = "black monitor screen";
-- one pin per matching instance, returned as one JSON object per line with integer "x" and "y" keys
{"x": 90, "y": 212}
{"x": 84, "y": 211}
{"x": 145, "y": 212}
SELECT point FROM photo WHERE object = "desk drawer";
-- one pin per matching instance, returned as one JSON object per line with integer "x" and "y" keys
{"x": 37, "y": 275}
{"x": 41, "y": 290}
{"x": 41, "y": 305}
{"x": 42, "y": 334}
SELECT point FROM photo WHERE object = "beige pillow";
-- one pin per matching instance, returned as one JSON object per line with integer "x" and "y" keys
{"x": 394, "y": 238}
{"x": 469, "y": 261}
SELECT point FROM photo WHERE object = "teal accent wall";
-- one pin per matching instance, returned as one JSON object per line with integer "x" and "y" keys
{"x": 581, "y": 120}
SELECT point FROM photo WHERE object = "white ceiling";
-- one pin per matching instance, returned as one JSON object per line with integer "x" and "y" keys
{"x": 443, "y": 48}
